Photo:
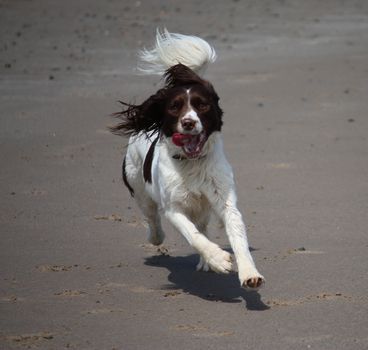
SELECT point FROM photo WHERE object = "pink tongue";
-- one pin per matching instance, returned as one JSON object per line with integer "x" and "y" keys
{"x": 180, "y": 139}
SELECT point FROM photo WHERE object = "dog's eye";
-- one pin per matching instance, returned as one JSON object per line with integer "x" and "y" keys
{"x": 202, "y": 106}
{"x": 174, "y": 106}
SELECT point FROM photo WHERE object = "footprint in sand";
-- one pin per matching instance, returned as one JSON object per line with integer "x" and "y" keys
{"x": 28, "y": 340}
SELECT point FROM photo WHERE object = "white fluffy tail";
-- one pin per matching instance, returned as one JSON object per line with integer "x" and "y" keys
{"x": 171, "y": 49}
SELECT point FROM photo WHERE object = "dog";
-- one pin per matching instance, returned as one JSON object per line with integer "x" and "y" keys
{"x": 175, "y": 166}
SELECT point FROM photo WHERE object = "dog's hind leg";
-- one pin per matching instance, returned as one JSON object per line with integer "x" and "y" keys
{"x": 132, "y": 170}
{"x": 148, "y": 207}
{"x": 202, "y": 227}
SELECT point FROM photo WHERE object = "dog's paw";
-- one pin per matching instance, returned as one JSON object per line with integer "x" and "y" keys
{"x": 156, "y": 237}
{"x": 252, "y": 282}
{"x": 202, "y": 265}
{"x": 218, "y": 260}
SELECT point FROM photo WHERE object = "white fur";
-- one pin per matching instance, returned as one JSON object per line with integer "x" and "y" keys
{"x": 186, "y": 192}
{"x": 171, "y": 49}
{"x": 192, "y": 115}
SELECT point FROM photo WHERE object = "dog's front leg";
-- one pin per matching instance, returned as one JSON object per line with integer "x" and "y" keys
{"x": 236, "y": 231}
{"x": 218, "y": 260}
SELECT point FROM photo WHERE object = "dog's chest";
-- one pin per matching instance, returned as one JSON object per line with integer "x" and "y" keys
{"x": 191, "y": 192}
{"x": 194, "y": 204}
{"x": 187, "y": 184}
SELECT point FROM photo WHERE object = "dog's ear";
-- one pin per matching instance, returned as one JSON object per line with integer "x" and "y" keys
{"x": 145, "y": 117}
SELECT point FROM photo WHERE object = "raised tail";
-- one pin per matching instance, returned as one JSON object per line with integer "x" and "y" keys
{"x": 171, "y": 49}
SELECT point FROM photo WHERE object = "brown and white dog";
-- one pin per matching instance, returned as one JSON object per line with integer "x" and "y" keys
{"x": 175, "y": 164}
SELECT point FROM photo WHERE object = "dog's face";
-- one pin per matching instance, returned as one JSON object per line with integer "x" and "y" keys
{"x": 186, "y": 111}
{"x": 191, "y": 115}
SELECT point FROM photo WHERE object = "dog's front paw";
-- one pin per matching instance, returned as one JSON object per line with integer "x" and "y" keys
{"x": 218, "y": 260}
{"x": 202, "y": 265}
{"x": 252, "y": 281}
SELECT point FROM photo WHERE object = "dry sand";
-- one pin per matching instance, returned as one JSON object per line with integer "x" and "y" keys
{"x": 76, "y": 272}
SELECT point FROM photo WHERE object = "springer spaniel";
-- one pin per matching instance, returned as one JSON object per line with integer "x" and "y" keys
{"x": 175, "y": 164}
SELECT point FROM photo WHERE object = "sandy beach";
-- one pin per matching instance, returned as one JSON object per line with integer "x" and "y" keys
{"x": 76, "y": 269}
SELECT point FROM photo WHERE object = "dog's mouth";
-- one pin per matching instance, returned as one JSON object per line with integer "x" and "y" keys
{"x": 192, "y": 145}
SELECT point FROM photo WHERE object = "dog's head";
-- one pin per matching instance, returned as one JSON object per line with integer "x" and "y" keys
{"x": 186, "y": 112}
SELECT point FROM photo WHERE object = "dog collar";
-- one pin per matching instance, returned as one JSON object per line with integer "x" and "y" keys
{"x": 180, "y": 157}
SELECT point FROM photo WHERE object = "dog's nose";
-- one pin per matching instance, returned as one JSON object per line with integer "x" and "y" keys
{"x": 188, "y": 124}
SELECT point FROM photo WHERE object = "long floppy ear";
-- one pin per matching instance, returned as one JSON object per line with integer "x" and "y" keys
{"x": 145, "y": 117}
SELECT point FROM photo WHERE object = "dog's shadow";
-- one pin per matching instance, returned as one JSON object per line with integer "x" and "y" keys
{"x": 206, "y": 285}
